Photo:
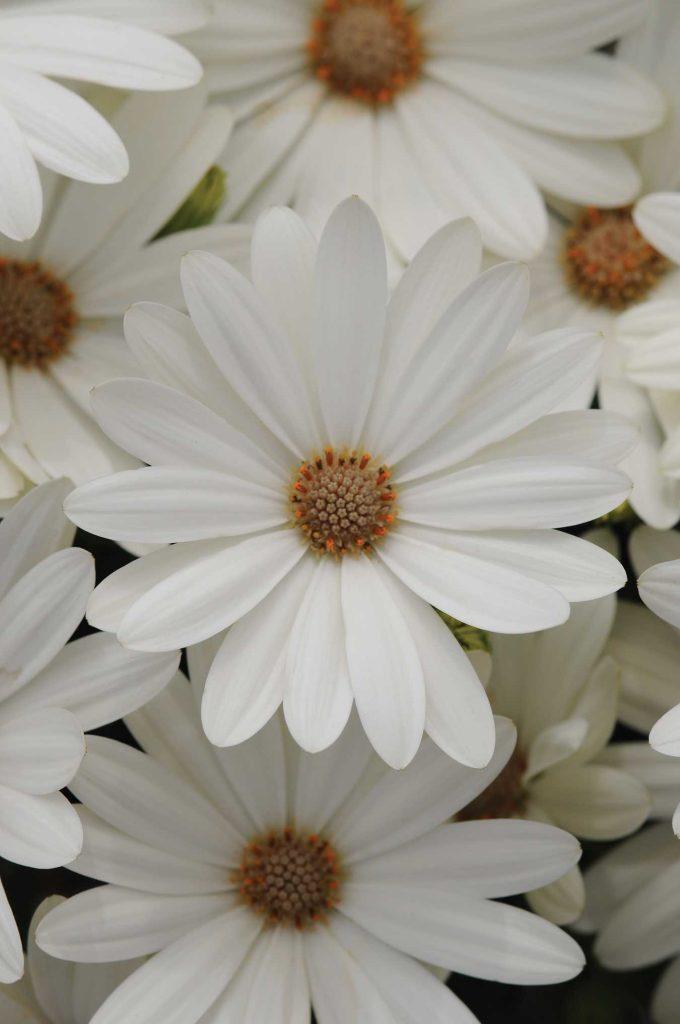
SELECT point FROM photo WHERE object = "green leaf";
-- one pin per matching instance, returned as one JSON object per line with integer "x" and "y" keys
{"x": 200, "y": 207}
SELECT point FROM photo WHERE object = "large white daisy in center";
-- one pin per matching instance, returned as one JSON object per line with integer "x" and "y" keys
{"x": 329, "y": 465}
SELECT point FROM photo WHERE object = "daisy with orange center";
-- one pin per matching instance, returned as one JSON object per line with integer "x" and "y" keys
{"x": 425, "y": 470}
{"x": 428, "y": 110}
{"x": 63, "y": 294}
{"x": 249, "y": 879}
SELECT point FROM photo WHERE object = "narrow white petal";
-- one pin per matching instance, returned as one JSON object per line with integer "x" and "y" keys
{"x": 40, "y": 751}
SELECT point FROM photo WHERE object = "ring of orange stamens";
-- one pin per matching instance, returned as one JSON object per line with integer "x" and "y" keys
{"x": 366, "y": 49}
{"x": 291, "y": 878}
{"x": 342, "y": 502}
{"x": 608, "y": 261}
{"x": 37, "y": 314}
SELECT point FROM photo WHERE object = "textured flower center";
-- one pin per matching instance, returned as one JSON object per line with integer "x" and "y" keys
{"x": 504, "y": 798}
{"x": 368, "y": 49}
{"x": 608, "y": 261}
{"x": 37, "y": 314}
{"x": 342, "y": 502}
{"x": 292, "y": 879}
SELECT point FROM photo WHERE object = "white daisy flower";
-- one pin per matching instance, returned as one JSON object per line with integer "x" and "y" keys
{"x": 330, "y": 465}
{"x": 599, "y": 262}
{"x": 111, "y": 42}
{"x": 562, "y": 695}
{"x": 428, "y": 109}
{"x": 62, "y": 295}
{"x": 51, "y": 690}
{"x": 633, "y": 902}
{"x": 262, "y": 879}
{"x": 57, "y": 992}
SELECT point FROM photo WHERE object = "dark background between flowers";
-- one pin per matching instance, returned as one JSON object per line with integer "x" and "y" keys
{"x": 595, "y": 997}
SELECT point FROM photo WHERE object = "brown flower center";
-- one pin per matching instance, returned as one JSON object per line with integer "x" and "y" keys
{"x": 368, "y": 49}
{"x": 37, "y": 314}
{"x": 292, "y": 879}
{"x": 504, "y": 798}
{"x": 607, "y": 261}
{"x": 342, "y": 502}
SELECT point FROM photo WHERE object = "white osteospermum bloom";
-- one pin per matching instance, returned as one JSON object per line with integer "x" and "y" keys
{"x": 51, "y": 690}
{"x": 372, "y": 880}
{"x": 633, "y": 902}
{"x": 56, "y": 992}
{"x": 110, "y": 42}
{"x": 63, "y": 294}
{"x": 562, "y": 695}
{"x": 330, "y": 465}
{"x": 428, "y": 109}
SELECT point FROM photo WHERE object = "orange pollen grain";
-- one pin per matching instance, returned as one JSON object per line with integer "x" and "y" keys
{"x": 366, "y": 49}
{"x": 289, "y": 877}
{"x": 37, "y": 314}
{"x": 342, "y": 507}
{"x": 607, "y": 261}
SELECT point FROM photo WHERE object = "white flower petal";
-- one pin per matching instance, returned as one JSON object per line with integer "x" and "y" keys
{"x": 33, "y": 529}
{"x": 446, "y": 264}
{"x": 477, "y": 937}
{"x": 41, "y": 611}
{"x": 530, "y": 381}
{"x": 21, "y": 202}
{"x": 385, "y": 671}
{"x": 646, "y": 761}
{"x": 405, "y": 805}
{"x": 469, "y": 173}
{"x": 110, "y": 855}
{"x": 659, "y": 588}
{"x": 526, "y": 492}
{"x": 463, "y": 346}
{"x": 182, "y": 981}
{"x": 98, "y": 50}
{"x": 247, "y": 680}
{"x": 113, "y": 923}
{"x": 474, "y": 858}
{"x": 658, "y": 218}
{"x": 350, "y": 298}
{"x": 136, "y": 794}
{"x": 168, "y": 503}
{"x": 558, "y": 95}
{"x": 457, "y": 712}
{"x": 11, "y": 953}
{"x": 38, "y": 831}
{"x": 62, "y": 131}
{"x": 665, "y": 735}
{"x": 168, "y": 728}
{"x": 40, "y": 751}
{"x": 318, "y": 697}
{"x": 496, "y": 31}
{"x": 476, "y": 590}
{"x": 593, "y": 801}
{"x": 271, "y": 984}
{"x": 562, "y": 901}
{"x": 210, "y": 593}
{"x": 645, "y": 928}
{"x": 251, "y": 350}
{"x": 169, "y": 349}
{"x": 411, "y": 991}
{"x": 97, "y": 680}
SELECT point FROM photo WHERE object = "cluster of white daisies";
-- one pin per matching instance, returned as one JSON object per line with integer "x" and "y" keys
{"x": 273, "y": 339}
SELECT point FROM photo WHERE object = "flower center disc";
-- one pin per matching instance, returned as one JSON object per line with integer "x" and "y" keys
{"x": 368, "y": 49}
{"x": 504, "y": 798}
{"x": 292, "y": 879}
{"x": 37, "y": 314}
{"x": 608, "y": 261}
{"x": 342, "y": 502}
